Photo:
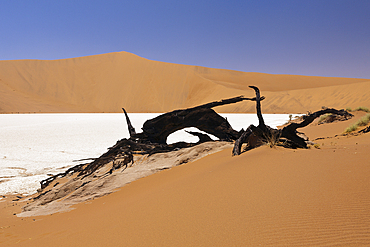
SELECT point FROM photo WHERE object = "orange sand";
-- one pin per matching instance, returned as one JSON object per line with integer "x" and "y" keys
{"x": 264, "y": 197}
{"x": 108, "y": 82}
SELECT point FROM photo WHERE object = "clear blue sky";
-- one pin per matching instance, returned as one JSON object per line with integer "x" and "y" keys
{"x": 302, "y": 37}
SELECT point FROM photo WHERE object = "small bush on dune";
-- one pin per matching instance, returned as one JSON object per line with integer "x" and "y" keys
{"x": 364, "y": 120}
{"x": 361, "y": 108}
{"x": 323, "y": 117}
{"x": 315, "y": 145}
{"x": 351, "y": 128}
{"x": 361, "y": 122}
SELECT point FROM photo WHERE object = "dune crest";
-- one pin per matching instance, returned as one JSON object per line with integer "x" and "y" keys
{"x": 108, "y": 82}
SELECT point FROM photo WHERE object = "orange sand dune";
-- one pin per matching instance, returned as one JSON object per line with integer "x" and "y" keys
{"x": 264, "y": 197}
{"x": 108, "y": 82}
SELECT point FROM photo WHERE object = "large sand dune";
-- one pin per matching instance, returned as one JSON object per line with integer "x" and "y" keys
{"x": 108, "y": 82}
{"x": 264, "y": 197}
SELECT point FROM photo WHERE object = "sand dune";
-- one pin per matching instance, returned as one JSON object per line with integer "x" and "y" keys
{"x": 264, "y": 197}
{"x": 67, "y": 191}
{"x": 108, "y": 82}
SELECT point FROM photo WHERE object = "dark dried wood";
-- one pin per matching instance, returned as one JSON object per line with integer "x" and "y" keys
{"x": 366, "y": 130}
{"x": 204, "y": 118}
{"x": 288, "y": 136}
{"x": 253, "y": 135}
{"x": 261, "y": 122}
{"x": 155, "y": 132}
{"x": 242, "y": 139}
{"x": 290, "y": 131}
{"x": 202, "y": 137}
{"x": 131, "y": 129}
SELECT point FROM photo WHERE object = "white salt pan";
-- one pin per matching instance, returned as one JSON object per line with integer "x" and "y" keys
{"x": 34, "y": 145}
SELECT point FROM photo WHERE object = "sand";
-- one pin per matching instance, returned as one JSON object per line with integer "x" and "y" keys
{"x": 108, "y": 82}
{"x": 64, "y": 192}
{"x": 264, "y": 197}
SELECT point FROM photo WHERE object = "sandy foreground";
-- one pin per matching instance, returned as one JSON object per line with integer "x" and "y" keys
{"x": 264, "y": 197}
{"x": 108, "y": 82}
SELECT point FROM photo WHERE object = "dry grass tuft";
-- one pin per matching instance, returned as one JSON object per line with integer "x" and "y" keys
{"x": 272, "y": 139}
{"x": 360, "y": 108}
{"x": 324, "y": 117}
{"x": 361, "y": 122}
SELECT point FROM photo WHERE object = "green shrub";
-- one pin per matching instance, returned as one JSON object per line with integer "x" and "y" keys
{"x": 364, "y": 120}
{"x": 323, "y": 117}
{"x": 361, "y": 122}
{"x": 361, "y": 108}
{"x": 316, "y": 145}
{"x": 351, "y": 128}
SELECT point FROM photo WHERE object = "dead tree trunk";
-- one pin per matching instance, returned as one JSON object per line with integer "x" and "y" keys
{"x": 204, "y": 118}
{"x": 266, "y": 134}
{"x": 290, "y": 131}
{"x": 155, "y": 132}
{"x": 261, "y": 121}
{"x": 242, "y": 139}
{"x": 131, "y": 129}
{"x": 253, "y": 135}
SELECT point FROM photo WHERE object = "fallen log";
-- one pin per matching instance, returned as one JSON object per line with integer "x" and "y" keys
{"x": 203, "y": 117}
{"x": 155, "y": 132}
{"x": 256, "y": 136}
{"x": 290, "y": 131}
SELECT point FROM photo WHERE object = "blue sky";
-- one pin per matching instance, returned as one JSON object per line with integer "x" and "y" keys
{"x": 324, "y": 38}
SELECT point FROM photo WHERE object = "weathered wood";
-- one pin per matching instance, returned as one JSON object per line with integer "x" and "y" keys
{"x": 204, "y": 118}
{"x": 261, "y": 122}
{"x": 242, "y": 139}
{"x": 158, "y": 129}
{"x": 226, "y": 102}
{"x": 202, "y": 137}
{"x": 366, "y": 130}
{"x": 290, "y": 131}
{"x": 131, "y": 129}
{"x": 155, "y": 132}
{"x": 288, "y": 134}
{"x": 259, "y": 133}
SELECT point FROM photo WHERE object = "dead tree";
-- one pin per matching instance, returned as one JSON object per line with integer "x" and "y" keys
{"x": 155, "y": 132}
{"x": 255, "y": 136}
{"x": 203, "y": 117}
{"x": 290, "y": 131}
{"x": 131, "y": 129}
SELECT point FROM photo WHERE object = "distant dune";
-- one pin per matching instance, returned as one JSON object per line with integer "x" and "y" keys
{"x": 108, "y": 82}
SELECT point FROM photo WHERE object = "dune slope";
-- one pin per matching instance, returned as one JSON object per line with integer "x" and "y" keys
{"x": 108, "y": 82}
{"x": 264, "y": 197}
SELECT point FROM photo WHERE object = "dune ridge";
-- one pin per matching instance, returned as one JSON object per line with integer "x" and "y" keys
{"x": 108, "y": 82}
